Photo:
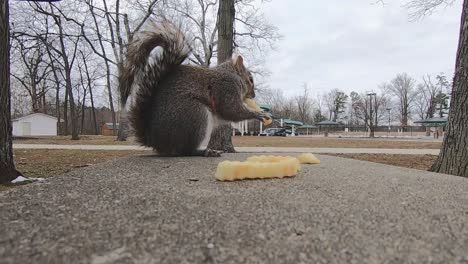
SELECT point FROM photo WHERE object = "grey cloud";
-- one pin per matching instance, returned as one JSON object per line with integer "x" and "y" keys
{"x": 355, "y": 45}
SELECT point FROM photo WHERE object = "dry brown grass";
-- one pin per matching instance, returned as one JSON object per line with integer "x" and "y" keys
{"x": 66, "y": 140}
{"x": 247, "y": 141}
{"x": 42, "y": 163}
{"x": 45, "y": 163}
{"x": 322, "y": 142}
{"x": 419, "y": 162}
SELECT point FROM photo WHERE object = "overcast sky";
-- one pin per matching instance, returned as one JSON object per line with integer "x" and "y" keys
{"x": 355, "y": 45}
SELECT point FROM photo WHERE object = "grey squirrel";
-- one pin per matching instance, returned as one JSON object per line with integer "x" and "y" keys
{"x": 175, "y": 106}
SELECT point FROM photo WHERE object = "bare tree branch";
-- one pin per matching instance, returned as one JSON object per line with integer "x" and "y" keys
{"x": 422, "y": 8}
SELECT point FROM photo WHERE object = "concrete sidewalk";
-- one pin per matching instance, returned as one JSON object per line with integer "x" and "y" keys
{"x": 147, "y": 209}
{"x": 245, "y": 149}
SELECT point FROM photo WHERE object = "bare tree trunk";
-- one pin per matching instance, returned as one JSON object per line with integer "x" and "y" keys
{"x": 93, "y": 111}
{"x": 7, "y": 165}
{"x": 83, "y": 101}
{"x": 57, "y": 94}
{"x": 226, "y": 15}
{"x": 123, "y": 125}
{"x": 404, "y": 121}
{"x": 73, "y": 116}
{"x": 90, "y": 84}
{"x": 376, "y": 123}
{"x": 57, "y": 108}
{"x": 111, "y": 100}
{"x": 221, "y": 137}
{"x": 108, "y": 73}
{"x": 68, "y": 82}
{"x": 83, "y": 112}
{"x": 68, "y": 87}
{"x": 109, "y": 89}
{"x": 43, "y": 99}
{"x": 123, "y": 121}
{"x": 34, "y": 100}
{"x": 65, "y": 113}
{"x": 454, "y": 153}
{"x": 371, "y": 119}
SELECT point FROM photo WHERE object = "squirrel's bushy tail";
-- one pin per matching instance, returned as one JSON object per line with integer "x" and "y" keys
{"x": 143, "y": 76}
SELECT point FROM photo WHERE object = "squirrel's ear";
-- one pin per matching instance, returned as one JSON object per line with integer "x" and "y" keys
{"x": 238, "y": 62}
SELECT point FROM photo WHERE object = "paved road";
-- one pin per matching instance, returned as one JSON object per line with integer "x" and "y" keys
{"x": 148, "y": 209}
{"x": 362, "y": 137}
{"x": 245, "y": 149}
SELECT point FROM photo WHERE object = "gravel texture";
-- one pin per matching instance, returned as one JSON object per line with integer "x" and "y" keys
{"x": 148, "y": 209}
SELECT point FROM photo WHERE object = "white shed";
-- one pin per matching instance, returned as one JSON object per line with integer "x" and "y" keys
{"x": 37, "y": 124}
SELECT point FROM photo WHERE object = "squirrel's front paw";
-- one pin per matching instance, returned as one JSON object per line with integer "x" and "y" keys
{"x": 262, "y": 116}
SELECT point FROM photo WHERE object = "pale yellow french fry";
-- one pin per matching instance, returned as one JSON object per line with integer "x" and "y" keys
{"x": 258, "y": 167}
{"x": 252, "y": 105}
{"x": 267, "y": 122}
{"x": 308, "y": 158}
{"x": 270, "y": 158}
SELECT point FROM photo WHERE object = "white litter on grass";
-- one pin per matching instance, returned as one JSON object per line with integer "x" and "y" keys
{"x": 23, "y": 179}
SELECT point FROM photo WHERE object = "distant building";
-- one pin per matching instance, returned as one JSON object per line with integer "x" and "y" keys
{"x": 37, "y": 124}
{"x": 107, "y": 129}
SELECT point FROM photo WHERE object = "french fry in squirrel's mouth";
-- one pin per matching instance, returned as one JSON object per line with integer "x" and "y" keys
{"x": 258, "y": 167}
{"x": 252, "y": 105}
{"x": 266, "y": 122}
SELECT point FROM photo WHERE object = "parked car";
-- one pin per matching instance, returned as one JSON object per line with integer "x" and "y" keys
{"x": 269, "y": 132}
{"x": 280, "y": 132}
{"x": 289, "y": 132}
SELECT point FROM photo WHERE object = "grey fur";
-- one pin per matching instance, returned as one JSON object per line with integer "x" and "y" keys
{"x": 169, "y": 111}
